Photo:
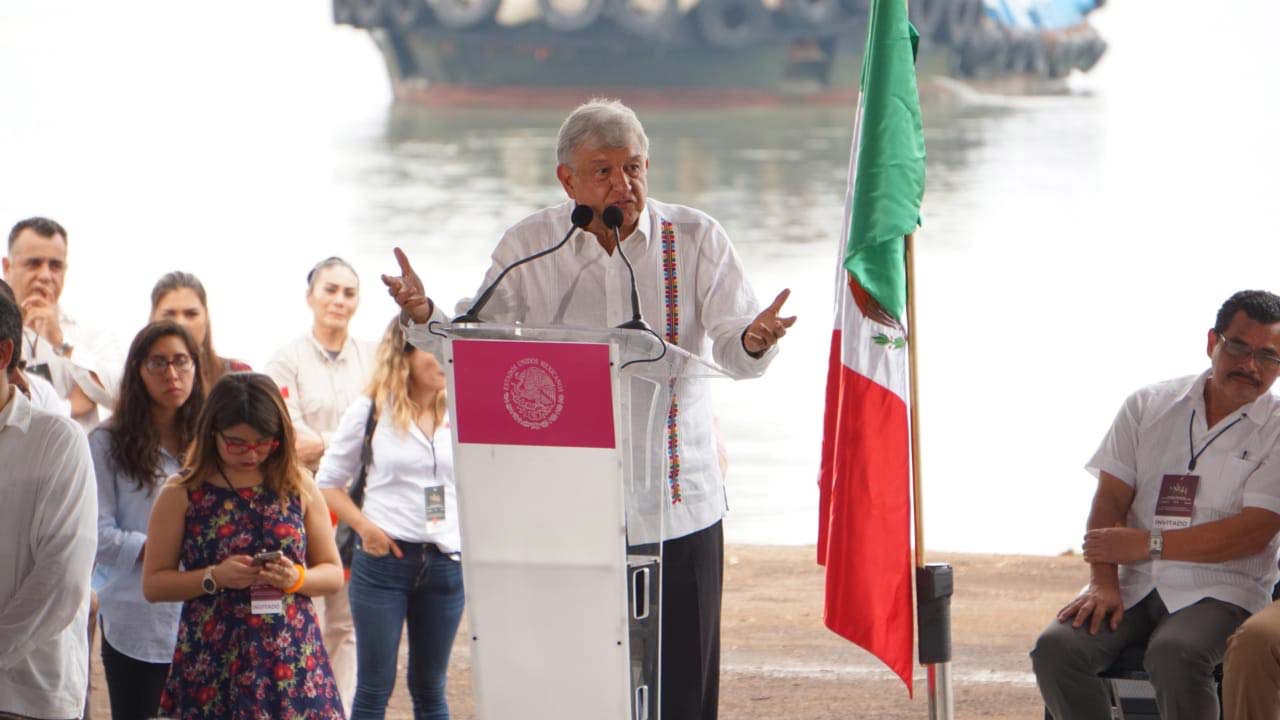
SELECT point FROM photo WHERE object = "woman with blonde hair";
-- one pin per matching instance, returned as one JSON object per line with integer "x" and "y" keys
{"x": 241, "y": 536}
{"x": 406, "y": 565}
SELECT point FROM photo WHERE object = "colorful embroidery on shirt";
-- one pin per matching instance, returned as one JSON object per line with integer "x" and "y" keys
{"x": 671, "y": 298}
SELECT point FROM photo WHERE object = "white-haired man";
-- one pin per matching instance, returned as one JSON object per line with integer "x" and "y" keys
{"x": 687, "y": 274}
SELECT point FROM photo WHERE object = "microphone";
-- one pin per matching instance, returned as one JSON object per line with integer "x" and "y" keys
{"x": 612, "y": 218}
{"x": 580, "y": 218}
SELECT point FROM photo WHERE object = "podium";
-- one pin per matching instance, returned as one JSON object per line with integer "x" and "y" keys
{"x": 560, "y": 457}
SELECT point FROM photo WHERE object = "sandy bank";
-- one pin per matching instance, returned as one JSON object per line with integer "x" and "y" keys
{"x": 779, "y": 661}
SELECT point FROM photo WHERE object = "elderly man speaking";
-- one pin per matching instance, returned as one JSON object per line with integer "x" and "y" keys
{"x": 688, "y": 274}
{"x": 1182, "y": 535}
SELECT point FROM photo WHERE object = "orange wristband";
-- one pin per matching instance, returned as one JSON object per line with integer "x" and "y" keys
{"x": 302, "y": 577}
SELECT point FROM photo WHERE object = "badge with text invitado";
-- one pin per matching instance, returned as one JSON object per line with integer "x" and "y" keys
{"x": 1177, "y": 502}
{"x": 266, "y": 600}
{"x": 435, "y": 507}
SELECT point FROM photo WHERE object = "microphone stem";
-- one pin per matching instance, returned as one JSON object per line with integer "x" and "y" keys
{"x": 473, "y": 313}
{"x": 635, "y": 296}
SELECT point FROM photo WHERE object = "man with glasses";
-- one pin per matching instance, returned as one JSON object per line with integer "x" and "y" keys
{"x": 83, "y": 365}
{"x": 48, "y": 535}
{"x": 1181, "y": 540}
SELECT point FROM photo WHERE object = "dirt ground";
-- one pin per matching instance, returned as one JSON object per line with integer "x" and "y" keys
{"x": 779, "y": 661}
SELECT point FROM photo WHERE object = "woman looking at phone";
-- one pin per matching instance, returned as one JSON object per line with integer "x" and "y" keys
{"x": 406, "y": 565}
{"x": 248, "y": 643}
{"x": 133, "y": 453}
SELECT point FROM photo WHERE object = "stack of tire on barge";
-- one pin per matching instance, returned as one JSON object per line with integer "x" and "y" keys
{"x": 446, "y": 50}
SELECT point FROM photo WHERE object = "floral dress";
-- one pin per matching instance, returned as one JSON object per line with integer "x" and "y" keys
{"x": 230, "y": 663}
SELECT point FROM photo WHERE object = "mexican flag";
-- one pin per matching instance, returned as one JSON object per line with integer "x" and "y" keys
{"x": 864, "y": 521}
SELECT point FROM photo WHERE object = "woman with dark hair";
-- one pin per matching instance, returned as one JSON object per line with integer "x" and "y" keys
{"x": 133, "y": 453}
{"x": 251, "y": 533}
{"x": 407, "y": 565}
{"x": 180, "y": 297}
{"x": 320, "y": 374}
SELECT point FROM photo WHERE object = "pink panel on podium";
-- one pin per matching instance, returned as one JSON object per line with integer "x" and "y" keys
{"x": 533, "y": 393}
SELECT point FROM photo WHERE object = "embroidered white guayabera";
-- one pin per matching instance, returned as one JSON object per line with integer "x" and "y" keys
{"x": 583, "y": 286}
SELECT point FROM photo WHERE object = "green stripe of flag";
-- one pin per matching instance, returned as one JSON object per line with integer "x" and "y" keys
{"x": 889, "y": 183}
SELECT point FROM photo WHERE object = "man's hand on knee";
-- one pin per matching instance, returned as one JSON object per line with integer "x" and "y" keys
{"x": 1093, "y": 606}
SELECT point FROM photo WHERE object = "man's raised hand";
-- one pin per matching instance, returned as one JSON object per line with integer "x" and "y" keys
{"x": 407, "y": 290}
{"x": 764, "y": 332}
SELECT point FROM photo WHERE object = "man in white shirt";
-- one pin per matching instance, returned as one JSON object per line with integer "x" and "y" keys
{"x": 48, "y": 536}
{"x": 693, "y": 290}
{"x": 1181, "y": 537}
{"x": 39, "y": 391}
{"x": 83, "y": 365}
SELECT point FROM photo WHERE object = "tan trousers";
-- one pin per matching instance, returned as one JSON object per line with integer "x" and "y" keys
{"x": 1251, "y": 671}
{"x": 339, "y": 633}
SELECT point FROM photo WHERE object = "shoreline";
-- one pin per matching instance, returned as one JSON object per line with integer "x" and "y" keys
{"x": 779, "y": 660}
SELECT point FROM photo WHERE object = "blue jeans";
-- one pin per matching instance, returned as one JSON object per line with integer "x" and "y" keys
{"x": 424, "y": 589}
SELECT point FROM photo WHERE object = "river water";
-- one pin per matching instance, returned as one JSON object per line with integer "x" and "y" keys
{"x": 1074, "y": 247}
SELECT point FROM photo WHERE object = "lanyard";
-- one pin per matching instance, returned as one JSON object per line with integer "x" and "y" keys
{"x": 1191, "y": 446}
{"x": 263, "y": 535}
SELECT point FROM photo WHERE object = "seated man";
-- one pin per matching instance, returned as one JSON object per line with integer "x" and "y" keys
{"x": 1182, "y": 533}
{"x": 1251, "y": 670}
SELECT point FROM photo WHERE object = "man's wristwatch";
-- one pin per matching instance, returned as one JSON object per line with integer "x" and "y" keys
{"x": 1155, "y": 544}
{"x": 207, "y": 583}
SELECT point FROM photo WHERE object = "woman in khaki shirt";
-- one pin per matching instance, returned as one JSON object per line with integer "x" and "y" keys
{"x": 320, "y": 374}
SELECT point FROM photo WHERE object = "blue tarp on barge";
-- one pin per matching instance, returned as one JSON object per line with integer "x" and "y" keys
{"x": 1039, "y": 14}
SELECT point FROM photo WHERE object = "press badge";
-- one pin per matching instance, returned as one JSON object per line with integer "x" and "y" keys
{"x": 1177, "y": 502}
{"x": 435, "y": 507}
{"x": 266, "y": 600}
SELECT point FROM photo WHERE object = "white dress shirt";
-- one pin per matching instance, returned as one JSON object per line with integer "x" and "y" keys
{"x": 47, "y": 522}
{"x": 581, "y": 285}
{"x": 1240, "y": 469}
{"x": 404, "y": 465}
{"x": 45, "y": 396}
{"x": 93, "y": 353}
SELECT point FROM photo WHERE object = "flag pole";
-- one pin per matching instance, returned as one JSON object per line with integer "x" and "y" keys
{"x": 933, "y": 581}
{"x": 917, "y": 494}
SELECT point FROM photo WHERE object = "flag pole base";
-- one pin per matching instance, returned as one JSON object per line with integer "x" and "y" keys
{"x": 941, "y": 704}
{"x": 934, "y": 587}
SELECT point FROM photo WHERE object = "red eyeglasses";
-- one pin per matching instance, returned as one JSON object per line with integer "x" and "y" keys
{"x": 240, "y": 447}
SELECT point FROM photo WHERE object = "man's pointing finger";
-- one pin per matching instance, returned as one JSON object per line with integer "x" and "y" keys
{"x": 776, "y": 305}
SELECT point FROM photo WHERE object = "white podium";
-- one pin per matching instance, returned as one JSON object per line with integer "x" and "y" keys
{"x": 559, "y": 438}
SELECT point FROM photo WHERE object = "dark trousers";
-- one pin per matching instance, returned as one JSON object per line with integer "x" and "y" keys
{"x": 134, "y": 686}
{"x": 692, "y": 581}
{"x": 1182, "y": 649}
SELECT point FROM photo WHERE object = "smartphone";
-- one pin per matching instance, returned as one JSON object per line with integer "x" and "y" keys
{"x": 263, "y": 558}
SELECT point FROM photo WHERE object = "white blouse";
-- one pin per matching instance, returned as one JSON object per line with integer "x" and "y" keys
{"x": 406, "y": 471}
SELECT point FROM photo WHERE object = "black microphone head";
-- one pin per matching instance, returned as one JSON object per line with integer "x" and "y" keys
{"x": 581, "y": 216}
{"x": 612, "y": 217}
